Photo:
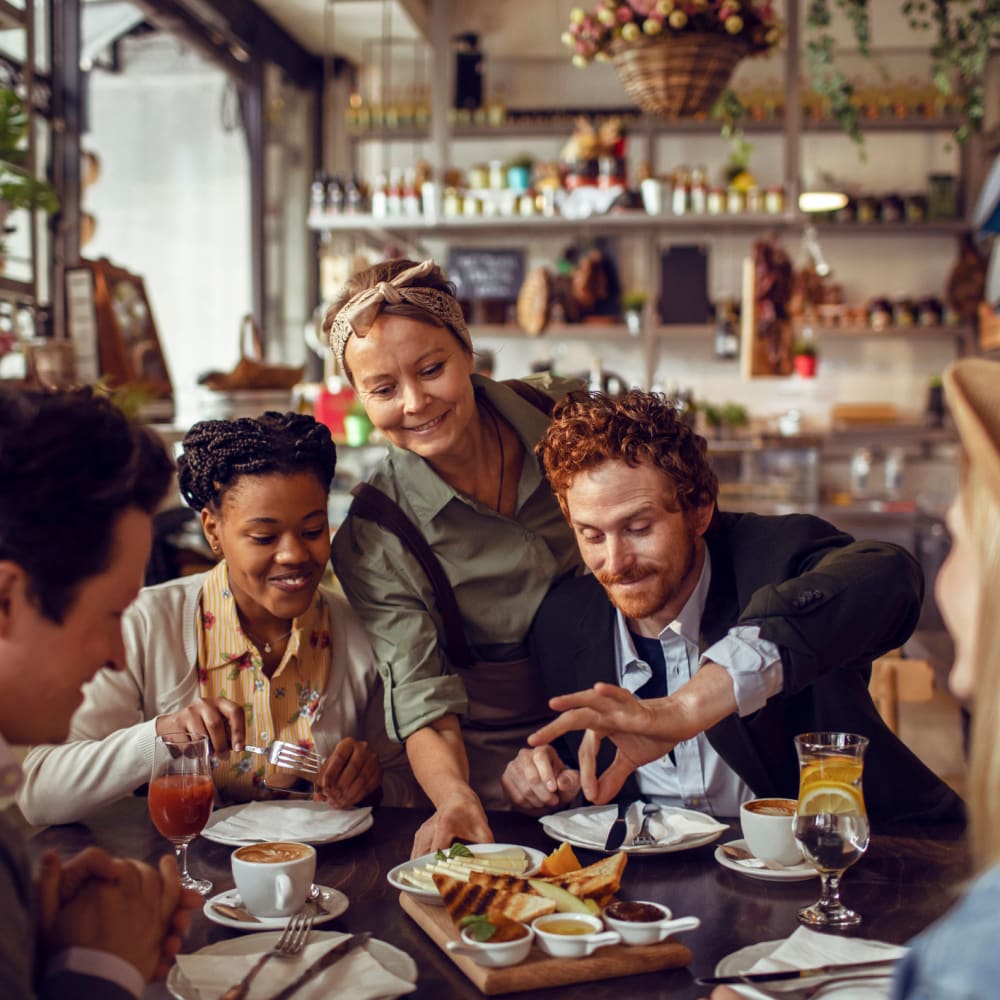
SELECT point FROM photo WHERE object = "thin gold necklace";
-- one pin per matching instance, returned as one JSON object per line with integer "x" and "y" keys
{"x": 496, "y": 427}
{"x": 266, "y": 648}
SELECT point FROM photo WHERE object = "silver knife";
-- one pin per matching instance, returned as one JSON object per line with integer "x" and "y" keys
{"x": 777, "y": 977}
{"x": 324, "y": 962}
{"x": 619, "y": 828}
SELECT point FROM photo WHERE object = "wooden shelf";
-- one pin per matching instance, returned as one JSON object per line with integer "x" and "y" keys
{"x": 12, "y": 290}
{"x": 11, "y": 17}
{"x": 527, "y": 125}
{"x": 832, "y": 333}
{"x": 935, "y": 227}
{"x": 564, "y": 331}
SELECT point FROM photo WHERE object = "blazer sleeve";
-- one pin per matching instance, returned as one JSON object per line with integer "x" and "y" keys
{"x": 109, "y": 752}
{"x": 839, "y": 604}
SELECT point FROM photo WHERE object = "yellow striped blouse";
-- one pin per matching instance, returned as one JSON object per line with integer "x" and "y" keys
{"x": 281, "y": 708}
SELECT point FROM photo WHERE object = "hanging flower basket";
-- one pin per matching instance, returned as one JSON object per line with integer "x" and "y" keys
{"x": 677, "y": 75}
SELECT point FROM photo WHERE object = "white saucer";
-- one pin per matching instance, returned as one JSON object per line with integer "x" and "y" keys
{"x": 426, "y": 896}
{"x": 795, "y": 873}
{"x": 392, "y": 959}
{"x": 334, "y": 902}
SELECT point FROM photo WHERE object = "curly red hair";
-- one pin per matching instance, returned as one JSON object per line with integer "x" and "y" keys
{"x": 637, "y": 427}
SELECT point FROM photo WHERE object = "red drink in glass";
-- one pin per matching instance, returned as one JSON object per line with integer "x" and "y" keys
{"x": 180, "y": 804}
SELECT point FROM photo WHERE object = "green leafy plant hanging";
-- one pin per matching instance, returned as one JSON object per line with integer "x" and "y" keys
{"x": 19, "y": 188}
{"x": 964, "y": 30}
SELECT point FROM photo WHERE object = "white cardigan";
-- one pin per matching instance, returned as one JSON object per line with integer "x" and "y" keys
{"x": 109, "y": 751}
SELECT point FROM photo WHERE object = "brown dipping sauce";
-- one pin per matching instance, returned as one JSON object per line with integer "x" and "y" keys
{"x": 634, "y": 913}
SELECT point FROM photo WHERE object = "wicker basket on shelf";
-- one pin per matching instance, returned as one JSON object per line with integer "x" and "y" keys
{"x": 677, "y": 75}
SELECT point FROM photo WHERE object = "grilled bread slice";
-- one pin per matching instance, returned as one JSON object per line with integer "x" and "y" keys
{"x": 463, "y": 899}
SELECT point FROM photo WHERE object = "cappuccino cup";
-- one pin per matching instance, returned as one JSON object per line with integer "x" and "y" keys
{"x": 274, "y": 878}
{"x": 768, "y": 829}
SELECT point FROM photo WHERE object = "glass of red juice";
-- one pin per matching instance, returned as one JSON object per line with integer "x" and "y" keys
{"x": 181, "y": 794}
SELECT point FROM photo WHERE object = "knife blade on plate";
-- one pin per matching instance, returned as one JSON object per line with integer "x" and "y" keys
{"x": 619, "y": 828}
{"x": 789, "y": 974}
{"x": 324, "y": 962}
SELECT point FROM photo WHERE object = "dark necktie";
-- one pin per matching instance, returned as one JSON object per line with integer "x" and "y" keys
{"x": 651, "y": 652}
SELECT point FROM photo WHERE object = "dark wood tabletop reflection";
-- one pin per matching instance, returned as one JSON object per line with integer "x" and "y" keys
{"x": 907, "y": 879}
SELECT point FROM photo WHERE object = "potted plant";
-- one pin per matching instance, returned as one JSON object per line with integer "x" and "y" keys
{"x": 632, "y": 305}
{"x": 804, "y": 358}
{"x": 357, "y": 425}
{"x": 673, "y": 58}
{"x": 19, "y": 188}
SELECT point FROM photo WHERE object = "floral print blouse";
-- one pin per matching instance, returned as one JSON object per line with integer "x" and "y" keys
{"x": 279, "y": 708}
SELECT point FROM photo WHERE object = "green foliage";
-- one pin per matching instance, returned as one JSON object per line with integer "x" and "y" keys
{"x": 525, "y": 160}
{"x": 633, "y": 301}
{"x": 19, "y": 188}
{"x": 804, "y": 348}
{"x": 965, "y": 31}
{"x": 478, "y": 926}
{"x": 729, "y": 415}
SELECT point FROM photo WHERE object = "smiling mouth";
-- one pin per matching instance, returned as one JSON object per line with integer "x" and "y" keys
{"x": 428, "y": 426}
{"x": 292, "y": 581}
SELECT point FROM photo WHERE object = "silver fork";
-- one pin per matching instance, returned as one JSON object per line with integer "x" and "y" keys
{"x": 644, "y": 838}
{"x": 815, "y": 989}
{"x": 292, "y": 941}
{"x": 283, "y": 754}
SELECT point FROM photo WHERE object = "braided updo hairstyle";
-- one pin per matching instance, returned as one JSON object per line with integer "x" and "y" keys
{"x": 217, "y": 453}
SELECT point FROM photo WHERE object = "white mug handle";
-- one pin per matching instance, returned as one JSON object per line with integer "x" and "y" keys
{"x": 282, "y": 891}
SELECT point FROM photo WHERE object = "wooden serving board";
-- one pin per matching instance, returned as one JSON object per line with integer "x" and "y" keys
{"x": 539, "y": 970}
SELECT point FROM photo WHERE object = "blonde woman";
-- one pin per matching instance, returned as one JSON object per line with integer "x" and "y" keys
{"x": 449, "y": 553}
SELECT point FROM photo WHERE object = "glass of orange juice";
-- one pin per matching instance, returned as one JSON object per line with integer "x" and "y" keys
{"x": 831, "y": 823}
{"x": 181, "y": 793}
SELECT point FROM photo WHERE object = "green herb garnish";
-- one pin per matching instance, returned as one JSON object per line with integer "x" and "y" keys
{"x": 478, "y": 926}
{"x": 459, "y": 851}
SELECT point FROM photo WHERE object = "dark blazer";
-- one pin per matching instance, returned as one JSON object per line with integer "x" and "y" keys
{"x": 830, "y": 604}
{"x": 18, "y": 942}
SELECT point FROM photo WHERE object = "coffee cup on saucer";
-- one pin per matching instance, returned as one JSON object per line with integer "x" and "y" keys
{"x": 768, "y": 828}
{"x": 274, "y": 878}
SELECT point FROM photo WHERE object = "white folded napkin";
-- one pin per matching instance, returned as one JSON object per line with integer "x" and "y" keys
{"x": 807, "y": 949}
{"x": 289, "y": 819}
{"x": 589, "y": 826}
{"x": 357, "y": 975}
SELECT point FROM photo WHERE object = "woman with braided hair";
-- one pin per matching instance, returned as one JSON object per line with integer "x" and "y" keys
{"x": 253, "y": 651}
{"x": 450, "y": 549}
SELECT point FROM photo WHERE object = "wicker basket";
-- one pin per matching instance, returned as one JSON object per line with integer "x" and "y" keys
{"x": 677, "y": 75}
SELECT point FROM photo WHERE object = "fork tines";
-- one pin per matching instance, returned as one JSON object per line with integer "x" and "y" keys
{"x": 296, "y": 932}
{"x": 289, "y": 755}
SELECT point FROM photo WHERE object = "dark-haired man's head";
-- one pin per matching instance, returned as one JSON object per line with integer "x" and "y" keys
{"x": 636, "y": 487}
{"x": 78, "y": 487}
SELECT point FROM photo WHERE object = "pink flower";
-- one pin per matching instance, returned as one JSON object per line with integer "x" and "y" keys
{"x": 207, "y": 620}
{"x": 624, "y": 14}
{"x": 643, "y": 6}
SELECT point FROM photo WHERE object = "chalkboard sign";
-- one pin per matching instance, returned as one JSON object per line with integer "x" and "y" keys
{"x": 684, "y": 285}
{"x": 481, "y": 274}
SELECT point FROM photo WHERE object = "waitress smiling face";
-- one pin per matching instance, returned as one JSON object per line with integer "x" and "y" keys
{"x": 414, "y": 380}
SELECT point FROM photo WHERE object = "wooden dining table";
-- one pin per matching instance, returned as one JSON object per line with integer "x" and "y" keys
{"x": 909, "y": 876}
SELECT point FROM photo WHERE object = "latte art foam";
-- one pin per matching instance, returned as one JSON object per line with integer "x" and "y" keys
{"x": 272, "y": 853}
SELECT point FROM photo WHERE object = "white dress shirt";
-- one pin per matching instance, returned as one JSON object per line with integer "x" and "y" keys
{"x": 700, "y": 779}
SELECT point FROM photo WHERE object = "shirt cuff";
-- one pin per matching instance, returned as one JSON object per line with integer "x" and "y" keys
{"x": 753, "y": 663}
{"x": 100, "y": 965}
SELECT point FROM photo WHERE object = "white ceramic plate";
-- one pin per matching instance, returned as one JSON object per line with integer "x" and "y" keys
{"x": 390, "y": 958}
{"x": 534, "y": 857}
{"x": 219, "y": 815}
{"x": 746, "y": 958}
{"x": 794, "y": 873}
{"x": 684, "y": 845}
{"x": 334, "y": 902}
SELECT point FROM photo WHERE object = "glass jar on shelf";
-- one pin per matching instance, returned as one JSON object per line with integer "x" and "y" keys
{"x": 774, "y": 200}
{"x": 679, "y": 196}
{"x": 736, "y": 200}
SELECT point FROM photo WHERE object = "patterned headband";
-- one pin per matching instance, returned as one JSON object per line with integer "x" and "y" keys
{"x": 359, "y": 312}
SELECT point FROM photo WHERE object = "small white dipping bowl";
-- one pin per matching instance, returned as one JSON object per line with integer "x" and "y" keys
{"x": 651, "y": 931}
{"x": 493, "y": 954}
{"x": 577, "y": 945}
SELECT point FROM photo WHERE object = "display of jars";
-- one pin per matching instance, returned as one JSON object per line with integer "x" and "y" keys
{"x": 774, "y": 200}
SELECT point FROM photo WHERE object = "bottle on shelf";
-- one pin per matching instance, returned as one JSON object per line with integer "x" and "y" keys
{"x": 317, "y": 196}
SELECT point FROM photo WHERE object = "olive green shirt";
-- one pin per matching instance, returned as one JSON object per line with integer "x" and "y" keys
{"x": 500, "y": 567}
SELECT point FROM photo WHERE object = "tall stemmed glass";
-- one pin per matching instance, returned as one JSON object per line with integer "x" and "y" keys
{"x": 831, "y": 824}
{"x": 180, "y": 795}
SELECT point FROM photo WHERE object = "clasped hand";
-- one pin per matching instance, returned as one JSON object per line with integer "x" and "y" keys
{"x": 119, "y": 906}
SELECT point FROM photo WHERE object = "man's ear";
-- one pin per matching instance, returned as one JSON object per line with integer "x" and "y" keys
{"x": 700, "y": 518}
{"x": 13, "y": 594}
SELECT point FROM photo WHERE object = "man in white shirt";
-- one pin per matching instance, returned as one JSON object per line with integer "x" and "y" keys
{"x": 704, "y": 641}
{"x": 78, "y": 487}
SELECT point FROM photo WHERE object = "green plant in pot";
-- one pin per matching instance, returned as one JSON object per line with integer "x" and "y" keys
{"x": 19, "y": 188}
{"x": 805, "y": 357}
{"x": 357, "y": 425}
{"x": 632, "y": 305}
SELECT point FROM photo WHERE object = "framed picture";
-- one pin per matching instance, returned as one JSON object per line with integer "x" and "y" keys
{"x": 109, "y": 304}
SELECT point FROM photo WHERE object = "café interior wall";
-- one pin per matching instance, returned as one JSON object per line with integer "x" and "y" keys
{"x": 172, "y": 201}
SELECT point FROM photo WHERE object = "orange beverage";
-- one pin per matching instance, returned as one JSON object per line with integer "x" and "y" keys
{"x": 180, "y": 804}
